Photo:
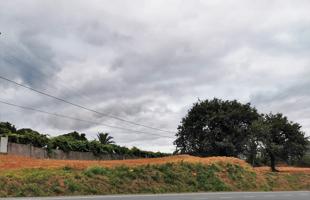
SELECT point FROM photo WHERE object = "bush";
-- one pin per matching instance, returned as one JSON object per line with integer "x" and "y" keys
{"x": 28, "y": 136}
{"x": 90, "y": 172}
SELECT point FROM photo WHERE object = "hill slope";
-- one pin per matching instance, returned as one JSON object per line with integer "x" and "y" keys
{"x": 29, "y": 177}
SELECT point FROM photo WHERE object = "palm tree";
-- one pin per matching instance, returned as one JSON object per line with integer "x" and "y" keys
{"x": 105, "y": 138}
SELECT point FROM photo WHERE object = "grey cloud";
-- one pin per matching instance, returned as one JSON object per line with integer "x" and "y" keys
{"x": 29, "y": 60}
{"x": 293, "y": 101}
{"x": 148, "y": 61}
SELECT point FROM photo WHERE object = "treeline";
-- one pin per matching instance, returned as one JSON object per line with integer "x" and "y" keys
{"x": 74, "y": 141}
{"x": 230, "y": 128}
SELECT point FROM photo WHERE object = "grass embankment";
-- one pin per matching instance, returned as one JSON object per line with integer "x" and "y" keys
{"x": 181, "y": 176}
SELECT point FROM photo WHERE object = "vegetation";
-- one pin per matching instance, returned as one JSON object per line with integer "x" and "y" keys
{"x": 170, "y": 177}
{"x": 216, "y": 128}
{"x": 73, "y": 141}
{"x": 6, "y": 128}
{"x": 105, "y": 138}
{"x": 278, "y": 138}
{"x": 305, "y": 160}
{"x": 229, "y": 128}
{"x": 28, "y": 136}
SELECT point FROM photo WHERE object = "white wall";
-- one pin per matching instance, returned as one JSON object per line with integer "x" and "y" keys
{"x": 3, "y": 145}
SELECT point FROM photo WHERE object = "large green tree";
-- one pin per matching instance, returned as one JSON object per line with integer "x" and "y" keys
{"x": 216, "y": 128}
{"x": 279, "y": 139}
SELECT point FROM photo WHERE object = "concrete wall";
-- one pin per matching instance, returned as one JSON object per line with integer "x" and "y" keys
{"x": 26, "y": 150}
{"x": 40, "y": 153}
{"x": 3, "y": 144}
{"x": 72, "y": 155}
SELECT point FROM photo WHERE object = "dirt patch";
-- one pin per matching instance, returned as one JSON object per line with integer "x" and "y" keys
{"x": 284, "y": 170}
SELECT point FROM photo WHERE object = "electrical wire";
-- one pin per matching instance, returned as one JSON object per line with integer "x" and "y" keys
{"x": 83, "y": 107}
{"x": 81, "y": 120}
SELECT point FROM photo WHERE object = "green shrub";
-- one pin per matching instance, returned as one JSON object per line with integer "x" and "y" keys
{"x": 28, "y": 136}
{"x": 96, "y": 171}
{"x": 72, "y": 186}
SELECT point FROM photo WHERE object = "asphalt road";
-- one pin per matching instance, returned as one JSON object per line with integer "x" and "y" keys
{"x": 305, "y": 195}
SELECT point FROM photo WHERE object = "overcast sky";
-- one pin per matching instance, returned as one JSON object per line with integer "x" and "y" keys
{"x": 149, "y": 61}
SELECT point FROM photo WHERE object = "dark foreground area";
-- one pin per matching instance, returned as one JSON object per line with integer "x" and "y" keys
{"x": 303, "y": 195}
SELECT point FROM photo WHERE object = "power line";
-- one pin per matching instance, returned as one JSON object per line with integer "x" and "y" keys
{"x": 81, "y": 120}
{"x": 40, "y": 74}
{"x": 83, "y": 107}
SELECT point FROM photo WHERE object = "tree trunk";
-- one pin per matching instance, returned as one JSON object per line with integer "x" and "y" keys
{"x": 273, "y": 163}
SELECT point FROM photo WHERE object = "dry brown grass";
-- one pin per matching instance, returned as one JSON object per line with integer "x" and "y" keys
{"x": 18, "y": 162}
{"x": 284, "y": 169}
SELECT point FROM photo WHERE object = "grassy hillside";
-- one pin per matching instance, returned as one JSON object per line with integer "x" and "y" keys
{"x": 160, "y": 178}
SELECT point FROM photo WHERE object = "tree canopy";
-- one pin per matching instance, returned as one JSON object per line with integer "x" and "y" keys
{"x": 6, "y": 128}
{"x": 279, "y": 139}
{"x": 76, "y": 136}
{"x": 216, "y": 127}
{"x": 230, "y": 128}
{"x": 105, "y": 138}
